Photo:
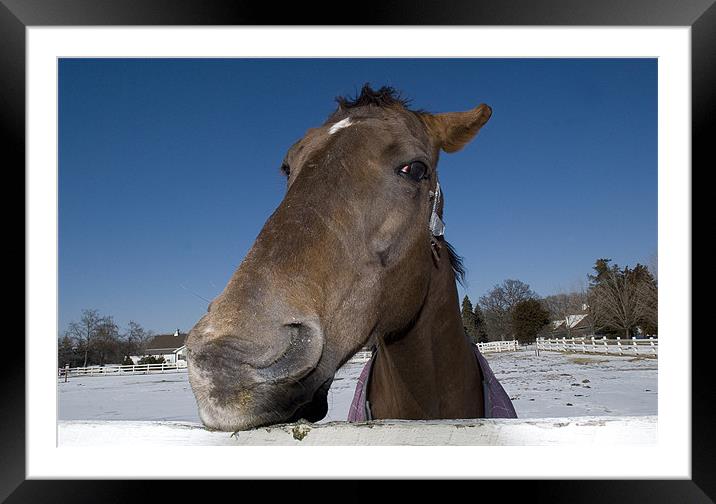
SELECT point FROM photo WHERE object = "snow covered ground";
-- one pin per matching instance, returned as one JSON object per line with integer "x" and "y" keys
{"x": 551, "y": 385}
{"x": 559, "y": 384}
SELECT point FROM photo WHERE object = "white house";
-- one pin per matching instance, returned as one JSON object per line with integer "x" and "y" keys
{"x": 170, "y": 346}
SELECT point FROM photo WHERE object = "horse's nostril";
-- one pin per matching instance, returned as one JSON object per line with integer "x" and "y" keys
{"x": 293, "y": 325}
{"x": 298, "y": 332}
{"x": 303, "y": 349}
{"x": 288, "y": 352}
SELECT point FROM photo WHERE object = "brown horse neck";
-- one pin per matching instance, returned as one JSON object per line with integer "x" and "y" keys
{"x": 430, "y": 371}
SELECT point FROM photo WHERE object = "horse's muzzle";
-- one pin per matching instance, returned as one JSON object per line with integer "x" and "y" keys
{"x": 236, "y": 389}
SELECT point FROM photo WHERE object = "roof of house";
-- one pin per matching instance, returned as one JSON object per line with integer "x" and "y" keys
{"x": 166, "y": 342}
{"x": 570, "y": 320}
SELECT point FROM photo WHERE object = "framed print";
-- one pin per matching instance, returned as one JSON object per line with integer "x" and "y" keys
{"x": 115, "y": 112}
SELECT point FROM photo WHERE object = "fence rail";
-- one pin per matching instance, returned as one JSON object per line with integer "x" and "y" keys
{"x": 498, "y": 346}
{"x": 644, "y": 347}
{"x": 113, "y": 369}
{"x": 561, "y": 431}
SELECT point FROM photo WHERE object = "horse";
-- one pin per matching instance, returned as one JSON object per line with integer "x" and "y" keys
{"x": 354, "y": 255}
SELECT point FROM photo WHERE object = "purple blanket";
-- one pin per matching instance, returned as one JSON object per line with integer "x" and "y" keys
{"x": 497, "y": 402}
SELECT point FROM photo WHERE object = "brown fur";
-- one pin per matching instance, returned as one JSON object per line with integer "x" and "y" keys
{"x": 429, "y": 371}
{"x": 344, "y": 261}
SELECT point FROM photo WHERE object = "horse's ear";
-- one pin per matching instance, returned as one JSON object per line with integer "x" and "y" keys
{"x": 453, "y": 130}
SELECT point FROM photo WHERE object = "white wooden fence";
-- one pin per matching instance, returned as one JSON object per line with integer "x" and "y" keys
{"x": 498, "y": 346}
{"x": 484, "y": 431}
{"x": 361, "y": 356}
{"x": 114, "y": 370}
{"x": 364, "y": 354}
{"x": 643, "y": 347}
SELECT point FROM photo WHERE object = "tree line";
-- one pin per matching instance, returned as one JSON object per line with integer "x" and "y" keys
{"x": 616, "y": 301}
{"x": 97, "y": 340}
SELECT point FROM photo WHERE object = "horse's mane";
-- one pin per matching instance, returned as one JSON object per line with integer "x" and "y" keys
{"x": 456, "y": 263}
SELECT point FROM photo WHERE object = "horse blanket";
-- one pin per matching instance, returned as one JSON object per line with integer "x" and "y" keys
{"x": 497, "y": 402}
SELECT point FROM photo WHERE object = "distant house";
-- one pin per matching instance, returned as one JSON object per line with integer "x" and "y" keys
{"x": 571, "y": 326}
{"x": 170, "y": 346}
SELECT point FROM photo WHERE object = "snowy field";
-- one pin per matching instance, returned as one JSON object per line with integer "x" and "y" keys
{"x": 551, "y": 385}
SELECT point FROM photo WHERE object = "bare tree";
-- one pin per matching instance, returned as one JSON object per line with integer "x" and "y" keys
{"x": 616, "y": 299}
{"x": 96, "y": 339}
{"x": 85, "y": 331}
{"x": 106, "y": 342}
{"x": 623, "y": 299}
{"x": 648, "y": 306}
{"x": 496, "y": 314}
{"x": 134, "y": 340}
{"x": 499, "y": 303}
{"x": 515, "y": 291}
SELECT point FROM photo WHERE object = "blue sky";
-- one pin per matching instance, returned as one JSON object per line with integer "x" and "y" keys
{"x": 169, "y": 168}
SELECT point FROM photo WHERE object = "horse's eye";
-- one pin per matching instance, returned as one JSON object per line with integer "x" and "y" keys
{"x": 285, "y": 169}
{"x": 415, "y": 170}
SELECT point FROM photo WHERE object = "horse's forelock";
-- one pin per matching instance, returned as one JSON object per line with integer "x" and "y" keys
{"x": 385, "y": 96}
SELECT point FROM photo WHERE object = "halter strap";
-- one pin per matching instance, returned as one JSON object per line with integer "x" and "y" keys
{"x": 436, "y": 224}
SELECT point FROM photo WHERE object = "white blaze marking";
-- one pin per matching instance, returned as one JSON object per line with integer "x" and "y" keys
{"x": 340, "y": 125}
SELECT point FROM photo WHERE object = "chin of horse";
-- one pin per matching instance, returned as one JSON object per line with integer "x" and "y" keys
{"x": 263, "y": 404}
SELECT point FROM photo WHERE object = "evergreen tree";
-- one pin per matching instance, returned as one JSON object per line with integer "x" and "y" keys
{"x": 480, "y": 324}
{"x": 468, "y": 319}
{"x": 529, "y": 317}
{"x": 66, "y": 354}
{"x": 602, "y": 269}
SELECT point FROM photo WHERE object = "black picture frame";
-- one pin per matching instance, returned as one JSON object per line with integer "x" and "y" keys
{"x": 700, "y": 15}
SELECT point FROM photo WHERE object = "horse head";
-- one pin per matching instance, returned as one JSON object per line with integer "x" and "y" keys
{"x": 345, "y": 258}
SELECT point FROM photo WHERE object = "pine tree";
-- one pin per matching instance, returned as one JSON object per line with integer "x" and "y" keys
{"x": 65, "y": 352}
{"x": 480, "y": 324}
{"x": 468, "y": 319}
{"x": 528, "y": 319}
